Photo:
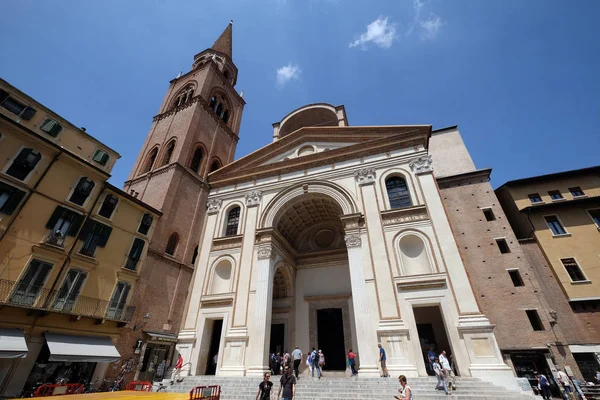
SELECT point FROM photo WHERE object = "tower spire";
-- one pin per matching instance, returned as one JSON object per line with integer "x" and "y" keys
{"x": 223, "y": 43}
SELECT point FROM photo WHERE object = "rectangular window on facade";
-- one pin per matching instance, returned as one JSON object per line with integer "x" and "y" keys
{"x": 515, "y": 276}
{"x": 135, "y": 254}
{"x": 51, "y": 127}
{"x": 145, "y": 224}
{"x": 576, "y": 191}
{"x": 575, "y": 273}
{"x": 503, "y": 246}
{"x": 10, "y": 197}
{"x": 555, "y": 195}
{"x": 15, "y": 106}
{"x": 82, "y": 191}
{"x": 534, "y": 319}
{"x": 595, "y": 214}
{"x": 31, "y": 283}
{"x": 101, "y": 157}
{"x": 108, "y": 206}
{"x": 69, "y": 291}
{"x": 63, "y": 222}
{"x": 118, "y": 301}
{"x": 24, "y": 163}
{"x": 555, "y": 225}
{"x": 489, "y": 214}
{"x": 94, "y": 234}
{"x": 534, "y": 198}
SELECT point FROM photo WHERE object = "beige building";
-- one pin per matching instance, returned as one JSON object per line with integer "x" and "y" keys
{"x": 71, "y": 248}
{"x": 560, "y": 212}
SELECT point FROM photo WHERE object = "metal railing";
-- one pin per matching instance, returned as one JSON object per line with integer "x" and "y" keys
{"x": 19, "y": 294}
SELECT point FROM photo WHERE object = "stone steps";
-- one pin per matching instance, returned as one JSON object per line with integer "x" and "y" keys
{"x": 245, "y": 388}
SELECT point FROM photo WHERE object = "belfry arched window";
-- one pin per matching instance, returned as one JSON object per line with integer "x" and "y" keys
{"x": 168, "y": 153}
{"x": 219, "y": 105}
{"x": 172, "y": 244}
{"x": 398, "y": 193}
{"x": 215, "y": 166}
{"x": 185, "y": 96}
{"x": 233, "y": 221}
{"x": 196, "y": 160}
{"x": 150, "y": 160}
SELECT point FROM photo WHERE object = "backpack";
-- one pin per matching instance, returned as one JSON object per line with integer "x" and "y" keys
{"x": 315, "y": 358}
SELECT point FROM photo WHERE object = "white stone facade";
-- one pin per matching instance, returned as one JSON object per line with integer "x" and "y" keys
{"x": 330, "y": 239}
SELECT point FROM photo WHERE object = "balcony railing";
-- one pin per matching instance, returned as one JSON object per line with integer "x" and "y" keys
{"x": 55, "y": 239}
{"x": 35, "y": 297}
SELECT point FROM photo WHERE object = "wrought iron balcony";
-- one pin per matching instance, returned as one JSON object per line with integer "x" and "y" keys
{"x": 18, "y": 294}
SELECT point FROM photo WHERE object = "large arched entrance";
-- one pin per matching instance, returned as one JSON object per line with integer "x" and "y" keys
{"x": 312, "y": 293}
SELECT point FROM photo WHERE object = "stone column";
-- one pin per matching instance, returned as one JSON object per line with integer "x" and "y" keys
{"x": 260, "y": 322}
{"x": 365, "y": 333}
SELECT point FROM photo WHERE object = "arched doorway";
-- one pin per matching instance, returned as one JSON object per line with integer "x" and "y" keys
{"x": 313, "y": 294}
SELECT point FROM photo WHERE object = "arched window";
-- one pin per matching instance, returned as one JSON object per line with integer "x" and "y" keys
{"x": 185, "y": 96}
{"x": 226, "y": 74}
{"x": 219, "y": 105}
{"x": 168, "y": 153}
{"x": 150, "y": 160}
{"x": 233, "y": 220}
{"x": 398, "y": 192}
{"x": 196, "y": 160}
{"x": 279, "y": 285}
{"x": 215, "y": 166}
{"x": 221, "y": 277}
{"x": 172, "y": 244}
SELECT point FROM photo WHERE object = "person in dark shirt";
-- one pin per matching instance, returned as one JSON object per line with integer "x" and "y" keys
{"x": 288, "y": 385}
{"x": 265, "y": 388}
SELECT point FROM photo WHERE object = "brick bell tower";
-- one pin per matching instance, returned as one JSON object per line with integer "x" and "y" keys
{"x": 194, "y": 133}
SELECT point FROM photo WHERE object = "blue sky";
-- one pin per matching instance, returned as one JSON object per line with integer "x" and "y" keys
{"x": 519, "y": 77}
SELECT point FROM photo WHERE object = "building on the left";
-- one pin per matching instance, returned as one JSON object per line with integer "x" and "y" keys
{"x": 71, "y": 248}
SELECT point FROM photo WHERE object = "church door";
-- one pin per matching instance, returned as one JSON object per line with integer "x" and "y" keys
{"x": 330, "y": 338}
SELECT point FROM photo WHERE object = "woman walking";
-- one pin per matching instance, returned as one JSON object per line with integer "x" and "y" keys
{"x": 352, "y": 362}
{"x": 439, "y": 373}
{"x": 265, "y": 388}
{"x": 406, "y": 391}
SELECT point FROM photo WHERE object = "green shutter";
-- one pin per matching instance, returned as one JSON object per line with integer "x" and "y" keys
{"x": 13, "y": 201}
{"x": 75, "y": 224}
{"x": 87, "y": 227}
{"x": 58, "y": 212}
{"x": 55, "y": 129}
{"x": 105, "y": 158}
{"x": 136, "y": 249}
{"x": 106, "y": 231}
{"x": 28, "y": 113}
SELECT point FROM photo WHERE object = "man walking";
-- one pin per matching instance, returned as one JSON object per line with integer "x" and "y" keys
{"x": 544, "y": 385}
{"x": 448, "y": 375}
{"x": 177, "y": 371}
{"x": 382, "y": 360}
{"x": 288, "y": 385}
{"x": 297, "y": 357}
{"x": 315, "y": 363}
{"x": 564, "y": 380}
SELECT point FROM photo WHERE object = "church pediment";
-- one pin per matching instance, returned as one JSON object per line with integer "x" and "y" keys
{"x": 314, "y": 146}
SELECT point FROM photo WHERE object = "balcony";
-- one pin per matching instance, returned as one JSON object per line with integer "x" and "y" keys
{"x": 38, "y": 298}
{"x": 55, "y": 239}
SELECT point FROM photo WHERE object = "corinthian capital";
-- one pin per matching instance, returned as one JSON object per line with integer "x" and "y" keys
{"x": 213, "y": 206}
{"x": 365, "y": 176}
{"x": 253, "y": 198}
{"x": 265, "y": 253}
{"x": 421, "y": 165}
{"x": 353, "y": 241}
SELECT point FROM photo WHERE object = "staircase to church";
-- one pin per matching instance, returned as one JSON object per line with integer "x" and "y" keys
{"x": 343, "y": 388}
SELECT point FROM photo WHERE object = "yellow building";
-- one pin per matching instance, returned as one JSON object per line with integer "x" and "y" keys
{"x": 71, "y": 248}
{"x": 561, "y": 213}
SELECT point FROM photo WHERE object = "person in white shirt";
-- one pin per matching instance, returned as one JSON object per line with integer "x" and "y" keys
{"x": 447, "y": 369}
{"x": 297, "y": 357}
{"x": 564, "y": 380}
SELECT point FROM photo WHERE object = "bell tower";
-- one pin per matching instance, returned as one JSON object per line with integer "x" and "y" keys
{"x": 194, "y": 133}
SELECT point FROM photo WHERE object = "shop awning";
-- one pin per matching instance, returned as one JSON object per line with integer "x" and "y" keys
{"x": 161, "y": 337}
{"x": 81, "y": 348}
{"x": 12, "y": 343}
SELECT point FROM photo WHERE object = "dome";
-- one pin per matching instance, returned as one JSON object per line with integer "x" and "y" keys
{"x": 320, "y": 114}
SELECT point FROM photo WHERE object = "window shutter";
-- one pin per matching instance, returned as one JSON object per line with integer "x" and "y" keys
{"x": 28, "y": 113}
{"x": 136, "y": 249}
{"x": 58, "y": 212}
{"x": 3, "y": 95}
{"x": 106, "y": 231}
{"x": 13, "y": 202}
{"x": 55, "y": 129}
{"x": 105, "y": 158}
{"x": 87, "y": 228}
{"x": 76, "y": 223}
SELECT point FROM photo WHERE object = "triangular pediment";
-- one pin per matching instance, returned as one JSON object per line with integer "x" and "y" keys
{"x": 313, "y": 146}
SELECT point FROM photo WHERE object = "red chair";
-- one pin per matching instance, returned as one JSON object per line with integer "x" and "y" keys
{"x": 206, "y": 393}
{"x": 58, "y": 390}
{"x": 139, "y": 386}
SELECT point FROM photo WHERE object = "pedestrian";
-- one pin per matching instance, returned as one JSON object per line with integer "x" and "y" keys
{"x": 265, "y": 388}
{"x": 297, "y": 357}
{"x": 564, "y": 380}
{"x": 321, "y": 361}
{"x": 215, "y": 360}
{"x": 315, "y": 363}
{"x": 406, "y": 391}
{"x": 431, "y": 357}
{"x": 288, "y": 385}
{"x": 309, "y": 363}
{"x": 287, "y": 359}
{"x": 278, "y": 362}
{"x": 177, "y": 371}
{"x": 544, "y": 385}
{"x": 441, "y": 378}
{"x": 382, "y": 360}
{"x": 447, "y": 369}
{"x": 272, "y": 363}
{"x": 352, "y": 362}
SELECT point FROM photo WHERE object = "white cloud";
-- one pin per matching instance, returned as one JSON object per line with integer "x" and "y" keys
{"x": 431, "y": 27}
{"x": 287, "y": 73}
{"x": 380, "y": 32}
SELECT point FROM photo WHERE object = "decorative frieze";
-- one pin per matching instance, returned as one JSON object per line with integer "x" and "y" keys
{"x": 353, "y": 241}
{"x": 230, "y": 242}
{"x": 403, "y": 215}
{"x": 213, "y": 206}
{"x": 421, "y": 164}
{"x": 253, "y": 198}
{"x": 365, "y": 176}
{"x": 267, "y": 252}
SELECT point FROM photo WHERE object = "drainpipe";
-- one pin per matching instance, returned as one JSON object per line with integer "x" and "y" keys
{"x": 33, "y": 189}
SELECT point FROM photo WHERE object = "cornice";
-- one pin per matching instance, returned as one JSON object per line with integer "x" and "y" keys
{"x": 465, "y": 177}
{"x": 165, "y": 169}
